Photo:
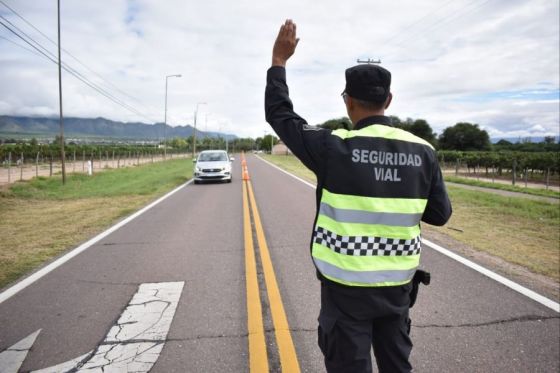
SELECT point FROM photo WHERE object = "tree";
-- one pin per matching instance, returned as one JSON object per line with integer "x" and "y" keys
{"x": 245, "y": 144}
{"x": 207, "y": 143}
{"x": 56, "y": 140}
{"x": 422, "y": 129}
{"x": 258, "y": 142}
{"x": 179, "y": 143}
{"x": 337, "y": 123}
{"x": 504, "y": 142}
{"x": 396, "y": 121}
{"x": 464, "y": 136}
{"x": 266, "y": 142}
{"x": 418, "y": 127}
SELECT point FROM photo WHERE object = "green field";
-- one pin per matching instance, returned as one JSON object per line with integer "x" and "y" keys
{"x": 41, "y": 219}
{"x": 521, "y": 231}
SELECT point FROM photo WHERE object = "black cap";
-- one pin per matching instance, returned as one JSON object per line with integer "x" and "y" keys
{"x": 368, "y": 82}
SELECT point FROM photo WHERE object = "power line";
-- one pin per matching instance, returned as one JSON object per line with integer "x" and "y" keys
{"x": 70, "y": 54}
{"x": 51, "y": 57}
{"x": 414, "y": 23}
{"x": 47, "y": 54}
{"x": 442, "y": 21}
{"x": 70, "y": 70}
{"x": 19, "y": 45}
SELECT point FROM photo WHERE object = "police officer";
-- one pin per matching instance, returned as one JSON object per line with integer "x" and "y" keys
{"x": 375, "y": 183}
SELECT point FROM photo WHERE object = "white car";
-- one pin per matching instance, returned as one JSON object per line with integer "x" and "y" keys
{"x": 212, "y": 165}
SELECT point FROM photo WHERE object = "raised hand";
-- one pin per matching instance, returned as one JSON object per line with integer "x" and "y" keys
{"x": 285, "y": 44}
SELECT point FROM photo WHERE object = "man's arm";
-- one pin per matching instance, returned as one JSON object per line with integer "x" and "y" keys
{"x": 438, "y": 210}
{"x": 306, "y": 142}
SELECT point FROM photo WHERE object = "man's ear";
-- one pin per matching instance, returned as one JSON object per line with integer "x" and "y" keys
{"x": 349, "y": 103}
{"x": 388, "y": 101}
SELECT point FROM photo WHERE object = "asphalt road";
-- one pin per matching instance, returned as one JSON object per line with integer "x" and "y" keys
{"x": 463, "y": 322}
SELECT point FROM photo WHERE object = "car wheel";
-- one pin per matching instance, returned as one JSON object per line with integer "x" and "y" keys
{"x": 229, "y": 181}
{"x": 196, "y": 182}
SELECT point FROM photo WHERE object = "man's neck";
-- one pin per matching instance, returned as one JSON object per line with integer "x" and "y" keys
{"x": 372, "y": 119}
{"x": 365, "y": 114}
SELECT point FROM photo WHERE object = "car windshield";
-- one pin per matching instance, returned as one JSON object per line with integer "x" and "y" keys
{"x": 212, "y": 157}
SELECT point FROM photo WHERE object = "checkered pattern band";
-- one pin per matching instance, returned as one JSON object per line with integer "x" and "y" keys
{"x": 366, "y": 245}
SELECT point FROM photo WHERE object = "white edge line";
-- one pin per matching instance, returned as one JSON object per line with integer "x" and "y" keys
{"x": 494, "y": 276}
{"x": 288, "y": 173}
{"x": 13, "y": 290}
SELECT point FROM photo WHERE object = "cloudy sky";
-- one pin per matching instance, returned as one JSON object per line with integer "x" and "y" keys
{"x": 491, "y": 62}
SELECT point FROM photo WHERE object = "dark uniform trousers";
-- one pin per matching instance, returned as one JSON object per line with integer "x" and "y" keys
{"x": 354, "y": 319}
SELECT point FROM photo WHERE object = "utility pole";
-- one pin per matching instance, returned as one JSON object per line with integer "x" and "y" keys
{"x": 194, "y": 134}
{"x": 165, "y": 117}
{"x": 60, "y": 101}
{"x": 369, "y": 61}
{"x": 223, "y": 125}
{"x": 165, "y": 121}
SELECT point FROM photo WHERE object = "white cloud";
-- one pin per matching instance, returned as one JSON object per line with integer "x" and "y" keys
{"x": 439, "y": 54}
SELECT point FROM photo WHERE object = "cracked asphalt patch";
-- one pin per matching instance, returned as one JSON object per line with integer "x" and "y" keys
{"x": 133, "y": 344}
{"x": 136, "y": 341}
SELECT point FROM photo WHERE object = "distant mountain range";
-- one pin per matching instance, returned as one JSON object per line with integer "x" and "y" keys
{"x": 100, "y": 128}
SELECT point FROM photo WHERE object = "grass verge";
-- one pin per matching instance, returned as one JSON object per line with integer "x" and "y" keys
{"x": 292, "y": 165}
{"x": 510, "y": 188}
{"x": 520, "y": 231}
{"x": 41, "y": 218}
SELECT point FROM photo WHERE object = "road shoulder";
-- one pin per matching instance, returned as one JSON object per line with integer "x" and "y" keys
{"x": 541, "y": 284}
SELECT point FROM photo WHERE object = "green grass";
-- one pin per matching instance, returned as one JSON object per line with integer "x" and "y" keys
{"x": 143, "y": 180}
{"x": 41, "y": 218}
{"x": 511, "y": 188}
{"x": 519, "y": 230}
{"x": 291, "y": 164}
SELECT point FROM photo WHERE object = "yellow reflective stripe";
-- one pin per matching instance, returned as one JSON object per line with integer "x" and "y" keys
{"x": 365, "y": 263}
{"x": 374, "y": 204}
{"x": 342, "y": 133}
{"x": 378, "y": 130}
{"x": 358, "y": 229}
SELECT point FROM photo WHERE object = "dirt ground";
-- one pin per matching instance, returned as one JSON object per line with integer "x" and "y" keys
{"x": 519, "y": 182}
{"x": 505, "y": 193}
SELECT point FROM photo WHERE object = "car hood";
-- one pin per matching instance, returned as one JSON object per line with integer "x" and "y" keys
{"x": 219, "y": 164}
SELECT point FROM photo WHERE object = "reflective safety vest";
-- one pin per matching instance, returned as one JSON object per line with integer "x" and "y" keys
{"x": 367, "y": 229}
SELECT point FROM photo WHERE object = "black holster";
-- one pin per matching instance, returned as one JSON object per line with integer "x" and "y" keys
{"x": 420, "y": 276}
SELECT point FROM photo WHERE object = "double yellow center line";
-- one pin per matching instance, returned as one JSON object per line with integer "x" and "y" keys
{"x": 258, "y": 357}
